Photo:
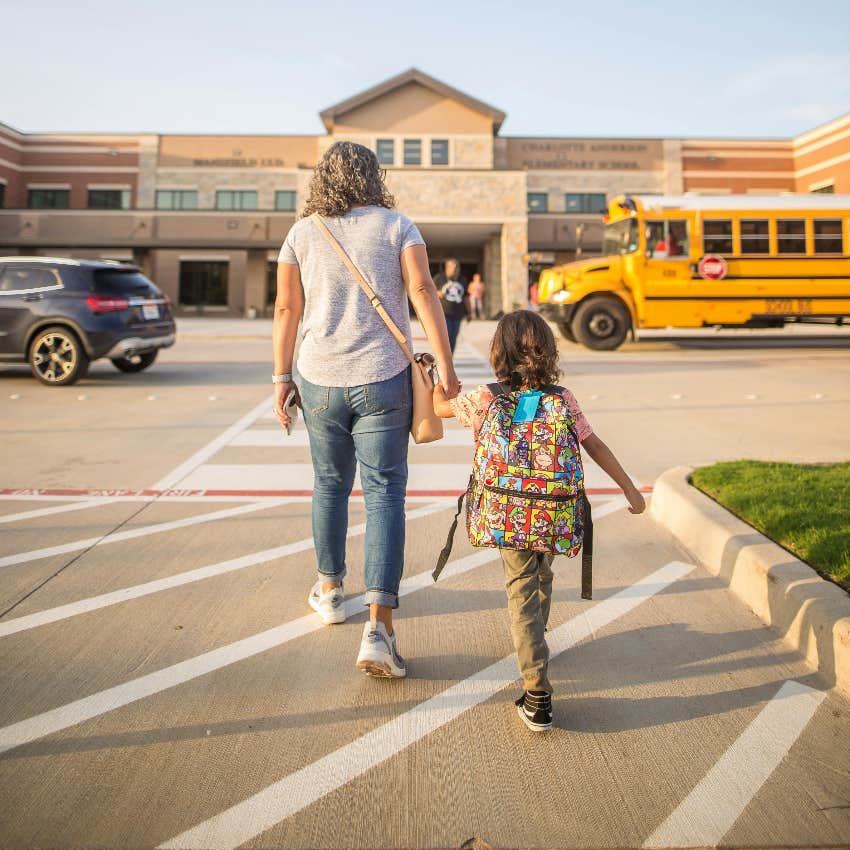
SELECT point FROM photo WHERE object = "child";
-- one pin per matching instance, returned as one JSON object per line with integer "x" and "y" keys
{"x": 524, "y": 356}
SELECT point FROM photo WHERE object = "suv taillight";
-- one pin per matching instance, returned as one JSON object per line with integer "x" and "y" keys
{"x": 106, "y": 304}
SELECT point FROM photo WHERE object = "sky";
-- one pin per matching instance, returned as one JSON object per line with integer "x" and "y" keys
{"x": 612, "y": 68}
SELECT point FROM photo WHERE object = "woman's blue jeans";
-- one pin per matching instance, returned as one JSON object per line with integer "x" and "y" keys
{"x": 369, "y": 425}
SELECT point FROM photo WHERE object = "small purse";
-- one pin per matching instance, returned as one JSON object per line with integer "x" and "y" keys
{"x": 426, "y": 426}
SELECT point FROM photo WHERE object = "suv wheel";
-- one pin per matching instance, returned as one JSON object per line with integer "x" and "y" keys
{"x": 57, "y": 357}
{"x": 135, "y": 363}
{"x": 601, "y": 323}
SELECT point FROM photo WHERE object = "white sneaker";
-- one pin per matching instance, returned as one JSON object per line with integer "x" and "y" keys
{"x": 378, "y": 654}
{"x": 330, "y": 605}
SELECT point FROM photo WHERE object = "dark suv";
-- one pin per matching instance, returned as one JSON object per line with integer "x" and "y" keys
{"x": 60, "y": 314}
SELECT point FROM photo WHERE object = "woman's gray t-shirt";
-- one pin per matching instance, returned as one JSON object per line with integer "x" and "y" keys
{"x": 345, "y": 343}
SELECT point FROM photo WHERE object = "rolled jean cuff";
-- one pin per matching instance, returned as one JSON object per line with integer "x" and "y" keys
{"x": 381, "y": 597}
{"x": 332, "y": 578}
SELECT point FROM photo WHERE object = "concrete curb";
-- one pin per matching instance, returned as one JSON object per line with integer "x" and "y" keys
{"x": 812, "y": 614}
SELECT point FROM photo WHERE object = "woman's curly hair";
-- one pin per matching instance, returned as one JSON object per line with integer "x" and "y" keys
{"x": 524, "y": 352}
{"x": 347, "y": 175}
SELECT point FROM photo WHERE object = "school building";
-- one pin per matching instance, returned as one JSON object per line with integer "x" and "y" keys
{"x": 205, "y": 215}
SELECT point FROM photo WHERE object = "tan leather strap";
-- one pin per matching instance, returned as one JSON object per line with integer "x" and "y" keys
{"x": 370, "y": 293}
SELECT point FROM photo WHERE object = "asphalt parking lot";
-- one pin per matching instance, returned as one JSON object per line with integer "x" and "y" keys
{"x": 165, "y": 683}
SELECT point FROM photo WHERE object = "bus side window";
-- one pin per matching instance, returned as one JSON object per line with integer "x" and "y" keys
{"x": 717, "y": 236}
{"x": 667, "y": 239}
{"x": 828, "y": 236}
{"x": 677, "y": 240}
{"x": 656, "y": 239}
{"x": 790, "y": 236}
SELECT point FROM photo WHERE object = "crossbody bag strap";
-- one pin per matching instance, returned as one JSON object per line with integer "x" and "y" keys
{"x": 374, "y": 300}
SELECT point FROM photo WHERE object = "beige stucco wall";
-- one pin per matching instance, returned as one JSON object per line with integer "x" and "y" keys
{"x": 457, "y": 194}
{"x": 413, "y": 108}
{"x": 558, "y": 183}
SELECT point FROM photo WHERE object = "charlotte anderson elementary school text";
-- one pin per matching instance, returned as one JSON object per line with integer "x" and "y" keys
{"x": 204, "y": 215}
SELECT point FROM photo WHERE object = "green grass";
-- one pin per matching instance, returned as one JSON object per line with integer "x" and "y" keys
{"x": 805, "y": 509}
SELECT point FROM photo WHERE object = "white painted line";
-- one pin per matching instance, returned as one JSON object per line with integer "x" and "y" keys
{"x": 130, "y": 534}
{"x": 185, "y": 671}
{"x": 191, "y": 497}
{"x": 299, "y": 476}
{"x": 213, "y": 446}
{"x": 294, "y": 792}
{"x": 717, "y": 801}
{"x": 93, "y": 603}
{"x": 56, "y": 509}
{"x": 277, "y": 438}
{"x": 70, "y": 714}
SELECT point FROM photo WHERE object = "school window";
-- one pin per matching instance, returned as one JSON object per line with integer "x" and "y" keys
{"x": 828, "y": 236}
{"x": 439, "y": 151}
{"x": 176, "y": 199}
{"x": 585, "y": 202}
{"x": 203, "y": 283}
{"x": 109, "y": 199}
{"x": 230, "y": 199}
{"x": 790, "y": 236}
{"x": 284, "y": 200}
{"x": 2, "y": 195}
{"x": 755, "y": 236}
{"x": 413, "y": 152}
{"x": 538, "y": 202}
{"x": 385, "y": 149}
{"x": 717, "y": 236}
{"x": 48, "y": 199}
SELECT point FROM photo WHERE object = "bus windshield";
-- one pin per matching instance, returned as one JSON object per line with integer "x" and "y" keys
{"x": 621, "y": 237}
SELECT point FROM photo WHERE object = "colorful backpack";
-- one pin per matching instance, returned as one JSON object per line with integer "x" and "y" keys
{"x": 526, "y": 490}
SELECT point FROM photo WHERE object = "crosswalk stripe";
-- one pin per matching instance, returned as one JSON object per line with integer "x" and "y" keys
{"x": 70, "y": 714}
{"x": 294, "y": 792}
{"x": 104, "y": 600}
{"x": 710, "y": 810}
{"x": 56, "y": 509}
{"x": 130, "y": 534}
{"x": 205, "y": 453}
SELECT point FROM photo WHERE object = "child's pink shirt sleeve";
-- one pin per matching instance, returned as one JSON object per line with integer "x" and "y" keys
{"x": 471, "y": 408}
{"x": 583, "y": 429}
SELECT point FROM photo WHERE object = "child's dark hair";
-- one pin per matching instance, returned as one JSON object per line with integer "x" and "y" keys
{"x": 524, "y": 351}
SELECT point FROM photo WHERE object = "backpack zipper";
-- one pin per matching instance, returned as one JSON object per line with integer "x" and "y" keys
{"x": 530, "y": 494}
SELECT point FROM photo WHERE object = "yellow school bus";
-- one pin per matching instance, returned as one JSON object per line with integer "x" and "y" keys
{"x": 695, "y": 261}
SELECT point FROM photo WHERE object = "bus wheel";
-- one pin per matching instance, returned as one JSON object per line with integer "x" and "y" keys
{"x": 566, "y": 331}
{"x": 601, "y": 323}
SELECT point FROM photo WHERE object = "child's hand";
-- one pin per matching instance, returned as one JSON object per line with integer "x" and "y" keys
{"x": 637, "y": 504}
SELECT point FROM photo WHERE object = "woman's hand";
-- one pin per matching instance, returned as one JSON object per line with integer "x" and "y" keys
{"x": 281, "y": 393}
{"x": 637, "y": 504}
{"x": 449, "y": 380}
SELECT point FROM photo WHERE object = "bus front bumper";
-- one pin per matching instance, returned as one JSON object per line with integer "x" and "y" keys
{"x": 558, "y": 313}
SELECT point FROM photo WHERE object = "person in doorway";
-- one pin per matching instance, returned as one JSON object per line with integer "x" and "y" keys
{"x": 355, "y": 388}
{"x": 476, "y": 297}
{"x": 451, "y": 288}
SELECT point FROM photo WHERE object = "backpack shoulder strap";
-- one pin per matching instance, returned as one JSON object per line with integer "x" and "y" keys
{"x": 497, "y": 389}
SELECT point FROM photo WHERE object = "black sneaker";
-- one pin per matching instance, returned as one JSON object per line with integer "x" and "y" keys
{"x": 535, "y": 709}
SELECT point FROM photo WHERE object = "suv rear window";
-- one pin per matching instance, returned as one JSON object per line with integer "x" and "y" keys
{"x": 117, "y": 282}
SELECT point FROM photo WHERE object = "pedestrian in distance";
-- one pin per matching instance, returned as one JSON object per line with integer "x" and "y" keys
{"x": 451, "y": 287}
{"x": 355, "y": 377}
{"x": 476, "y": 297}
{"x": 526, "y": 495}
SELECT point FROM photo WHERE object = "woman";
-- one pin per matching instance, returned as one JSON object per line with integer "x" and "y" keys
{"x": 355, "y": 378}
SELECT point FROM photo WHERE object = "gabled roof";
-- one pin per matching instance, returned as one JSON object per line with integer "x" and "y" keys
{"x": 411, "y": 75}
